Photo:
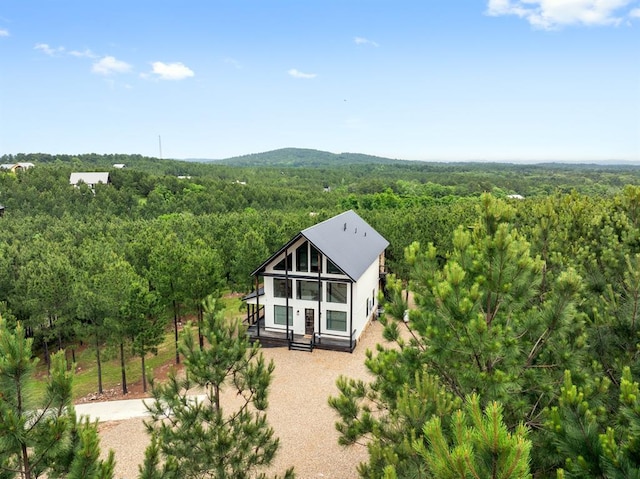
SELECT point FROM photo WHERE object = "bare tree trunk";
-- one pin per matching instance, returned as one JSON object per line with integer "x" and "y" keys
{"x": 123, "y": 369}
{"x": 99, "y": 365}
{"x": 26, "y": 468}
{"x": 175, "y": 329}
{"x": 144, "y": 374}
{"x": 47, "y": 360}
{"x": 200, "y": 318}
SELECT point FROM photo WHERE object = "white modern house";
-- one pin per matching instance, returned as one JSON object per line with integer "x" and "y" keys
{"x": 91, "y": 179}
{"x": 320, "y": 290}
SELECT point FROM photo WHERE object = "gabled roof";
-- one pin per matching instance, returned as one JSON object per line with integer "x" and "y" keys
{"x": 346, "y": 239}
{"x": 90, "y": 178}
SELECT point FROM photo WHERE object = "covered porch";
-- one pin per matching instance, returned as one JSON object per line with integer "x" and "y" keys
{"x": 257, "y": 332}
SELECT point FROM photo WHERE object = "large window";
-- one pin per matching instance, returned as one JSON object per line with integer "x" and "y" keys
{"x": 280, "y": 315}
{"x": 308, "y": 258}
{"x": 302, "y": 257}
{"x": 337, "y": 292}
{"x": 281, "y": 288}
{"x": 337, "y": 320}
{"x": 308, "y": 290}
{"x": 316, "y": 262}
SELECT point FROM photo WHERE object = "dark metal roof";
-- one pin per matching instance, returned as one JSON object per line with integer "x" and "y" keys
{"x": 346, "y": 239}
{"x": 253, "y": 294}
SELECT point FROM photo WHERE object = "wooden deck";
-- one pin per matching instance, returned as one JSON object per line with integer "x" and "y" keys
{"x": 297, "y": 342}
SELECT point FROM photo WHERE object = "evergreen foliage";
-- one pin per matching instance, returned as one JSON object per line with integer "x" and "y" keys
{"x": 590, "y": 439}
{"x": 223, "y": 433}
{"x": 42, "y": 436}
{"x": 475, "y": 445}
{"x": 481, "y": 325}
{"x": 507, "y": 300}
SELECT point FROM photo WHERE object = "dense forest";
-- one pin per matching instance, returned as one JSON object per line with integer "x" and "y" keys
{"x": 521, "y": 353}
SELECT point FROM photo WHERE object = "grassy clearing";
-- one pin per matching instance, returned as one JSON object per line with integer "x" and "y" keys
{"x": 86, "y": 377}
{"x": 85, "y": 381}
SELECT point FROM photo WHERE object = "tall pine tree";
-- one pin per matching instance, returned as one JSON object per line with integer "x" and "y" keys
{"x": 39, "y": 434}
{"x": 222, "y": 433}
{"x": 480, "y": 325}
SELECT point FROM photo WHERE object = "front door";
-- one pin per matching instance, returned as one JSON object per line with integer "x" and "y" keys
{"x": 308, "y": 321}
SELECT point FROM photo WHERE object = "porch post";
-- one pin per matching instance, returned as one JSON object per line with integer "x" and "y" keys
{"x": 258, "y": 304}
{"x": 286, "y": 290}
{"x": 351, "y": 317}
{"x": 313, "y": 339}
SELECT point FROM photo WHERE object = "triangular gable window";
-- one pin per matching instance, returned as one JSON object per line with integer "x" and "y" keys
{"x": 280, "y": 266}
{"x": 332, "y": 268}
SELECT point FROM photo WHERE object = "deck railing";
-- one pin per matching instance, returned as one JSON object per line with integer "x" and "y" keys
{"x": 255, "y": 316}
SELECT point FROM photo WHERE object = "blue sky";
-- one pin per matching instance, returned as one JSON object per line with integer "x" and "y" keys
{"x": 436, "y": 80}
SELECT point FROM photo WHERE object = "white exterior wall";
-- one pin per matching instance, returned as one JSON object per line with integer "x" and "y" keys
{"x": 297, "y": 320}
{"x": 365, "y": 291}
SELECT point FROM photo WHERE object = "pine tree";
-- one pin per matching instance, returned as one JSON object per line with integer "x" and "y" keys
{"x": 592, "y": 440}
{"x": 389, "y": 420}
{"x": 42, "y": 436}
{"x": 480, "y": 325}
{"x": 475, "y": 445}
{"x": 223, "y": 433}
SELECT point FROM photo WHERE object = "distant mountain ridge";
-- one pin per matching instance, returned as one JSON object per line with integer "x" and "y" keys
{"x": 307, "y": 157}
{"x": 303, "y": 157}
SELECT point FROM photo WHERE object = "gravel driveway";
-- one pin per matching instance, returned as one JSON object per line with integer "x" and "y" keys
{"x": 298, "y": 411}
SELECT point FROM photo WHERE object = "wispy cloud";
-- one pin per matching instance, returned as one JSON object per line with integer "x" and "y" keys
{"x": 364, "y": 41}
{"x": 48, "y": 50}
{"x": 4, "y": 33}
{"x": 171, "y": 71}
{"x": 635, "y": 13}
{"x": 298, "y": 74}
{"x": 51, "y": 51}
{"x": 553, "y": 14}
{"x": 109, "y": 65}
{"x": 83, "y": 54}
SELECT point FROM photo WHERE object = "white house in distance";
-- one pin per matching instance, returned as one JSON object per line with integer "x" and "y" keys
{"x": 321, "y": 288}
{"x": 91, "y": 179}
{"x": 16, "y": 167}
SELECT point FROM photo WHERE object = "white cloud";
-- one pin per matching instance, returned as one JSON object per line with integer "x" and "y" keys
{"x": 635, "y": 13}
{"x": 172, "y": 71}
{"x": 298, "y": 74}
{"x": 109, "y": 65}
{"x": 551, "y": 14}
{"x": 4, "y": 33}
{"x": 83, "y": 54}
{"x": 46, "y": 49}
{"x": 365, "y": 41}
